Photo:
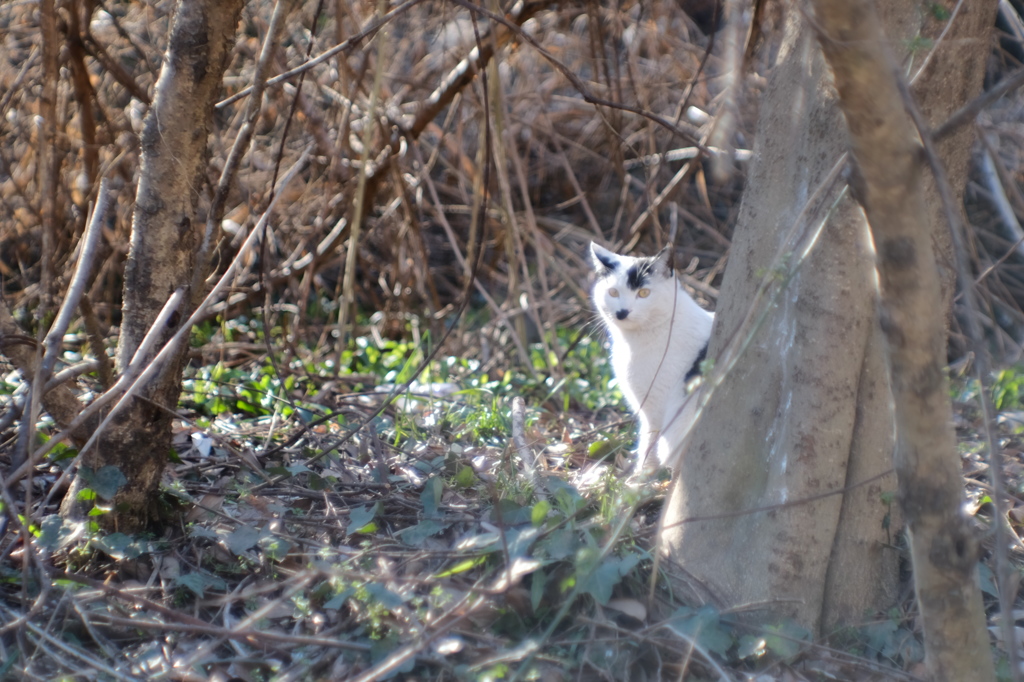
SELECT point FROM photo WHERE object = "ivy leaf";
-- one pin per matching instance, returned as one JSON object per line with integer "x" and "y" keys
{"x": 879, "y": 635}
{"x": 199, "y": 582}
{"x": 52, "y": 531}
{"x": 241, "y": 539}
{"x": 751, "y": 646}
{"x": 987, "y": 581}
{"x": 703, "y": 627}
{"x": 120, "y": 546}
{"x": 784, "y": 639}
{"x": 431, "y": 496}
{"x": 105, "y": 481}
{"x": 600, "y": 581}
{"x": 538, "y": 581}
{"x": 508, "y": 513}
{"x": 359, "y": 518}
{"x": 387, "y": 598}
{"x": 276, "y": 548}
{"x": 417, "y": 535}
{"x": 338, "y": 600}
{"x": 540, "y": 512}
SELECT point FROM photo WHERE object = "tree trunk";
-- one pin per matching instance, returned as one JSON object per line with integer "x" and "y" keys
{"x": 165, "y": 237}
{"x": 807, "y": 410}
{"x": 889, "y": 165}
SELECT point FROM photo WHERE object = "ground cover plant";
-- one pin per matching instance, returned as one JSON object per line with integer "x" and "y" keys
{"x": 387, "y": 443}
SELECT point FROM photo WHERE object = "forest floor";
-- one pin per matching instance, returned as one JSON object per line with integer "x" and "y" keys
{"x": 308, "y": 535}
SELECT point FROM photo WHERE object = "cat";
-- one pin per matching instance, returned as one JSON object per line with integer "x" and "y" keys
{"x": 659, "y": 338}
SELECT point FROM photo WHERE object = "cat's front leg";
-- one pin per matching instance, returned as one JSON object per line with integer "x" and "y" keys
{"x": 647, "y": 443}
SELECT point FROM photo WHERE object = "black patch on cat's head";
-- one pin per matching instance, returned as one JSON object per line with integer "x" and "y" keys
{"x": 638, "y": 274}
{"x": 604, "y": 260}
{"x": 641, "y": 272}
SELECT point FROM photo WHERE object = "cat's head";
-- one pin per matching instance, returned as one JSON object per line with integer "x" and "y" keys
{"x": 632, "y": 293}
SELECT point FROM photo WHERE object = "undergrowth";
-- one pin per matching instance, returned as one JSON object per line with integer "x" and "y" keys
{"x": 304, "y": 536}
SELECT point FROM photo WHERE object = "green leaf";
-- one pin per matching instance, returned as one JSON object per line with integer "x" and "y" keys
{"x": 338, "y": 600}
{"x": 560, "y": 544}
{"x": 567, "y": 498}
{"x": 431, "y": 496}
{"x": 540, "y": 512}
{"x": 879, "y": 635}
{"x": 462, "y": 567}
{"x": 519, "y": 540}
{"x": 600, "y": 449}
{"x": 751, "y": 646}
{"x": 939, "y": 12}
{"x": 386, "y": 598}
{"x": 538, "y": 582}
{"x": 120, "y": 546}
{"x": 53, "y": 531}
{"x": 241, "y": 539}
{"x": 600, "y": 581}
{"x": 359, "y": 519}
{"x": 417, "y": 535}
{"x": 508, "y": 513}
{"x": 466, "y": 477}
{"x": 276, "y": 548}
{"x": 703, "y": 627}
{"x": 199, "y": 582}
{"x": 987, "y": 581}
{"x": 784, "y": 639}
{"x": 105, "y": 482}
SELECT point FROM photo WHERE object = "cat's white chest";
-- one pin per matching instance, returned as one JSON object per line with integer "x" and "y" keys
{"x": 643, "y": 367}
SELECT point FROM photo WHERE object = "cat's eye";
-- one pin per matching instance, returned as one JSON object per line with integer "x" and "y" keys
{"x": 644, "y": 293}
{"x": 614, "y": 293}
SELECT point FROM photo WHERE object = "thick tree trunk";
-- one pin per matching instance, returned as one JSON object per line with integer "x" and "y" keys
{"x": 165, "y": 236}
{"x": 889, "y": 163}
{"x": 807, "y": 411}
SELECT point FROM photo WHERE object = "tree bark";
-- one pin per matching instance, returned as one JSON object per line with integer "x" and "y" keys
{"x": 888, "y": 167}
{"x": 807, "y": 411}
{"x": 164, "y": 239}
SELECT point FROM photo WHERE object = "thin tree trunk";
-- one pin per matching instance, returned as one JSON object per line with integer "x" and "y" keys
{"x": 165, "y": 236}
{"x": 888, "y": 167}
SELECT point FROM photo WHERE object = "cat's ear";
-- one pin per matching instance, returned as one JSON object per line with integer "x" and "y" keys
{"x": 665, "y": 260}
{"x": 604, "y": 260}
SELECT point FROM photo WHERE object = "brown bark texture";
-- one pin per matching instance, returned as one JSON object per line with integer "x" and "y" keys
{"x": 807, "y": 411}
{"x": 889, "y": 164}
{"x": 164, "y": 239}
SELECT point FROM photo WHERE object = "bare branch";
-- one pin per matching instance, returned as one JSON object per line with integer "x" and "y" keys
{"x": 346, "y": 46}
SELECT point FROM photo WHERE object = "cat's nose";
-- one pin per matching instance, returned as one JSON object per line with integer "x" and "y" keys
{"x": 621, "y": 314}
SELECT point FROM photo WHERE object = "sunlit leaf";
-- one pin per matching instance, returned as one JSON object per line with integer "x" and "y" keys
{"x": 462, "y": 567}
{"x": 360, "y": 517}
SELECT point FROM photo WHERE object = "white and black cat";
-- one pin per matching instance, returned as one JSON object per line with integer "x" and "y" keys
{"x": 659, "y": 338}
